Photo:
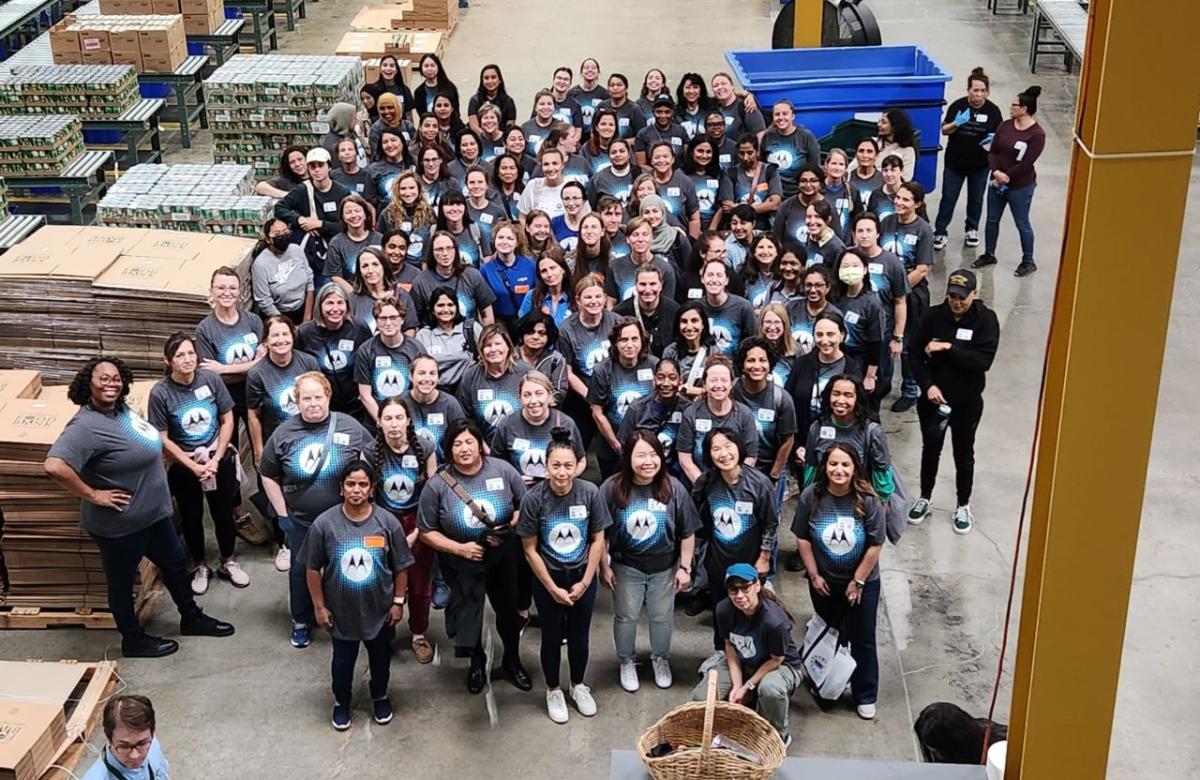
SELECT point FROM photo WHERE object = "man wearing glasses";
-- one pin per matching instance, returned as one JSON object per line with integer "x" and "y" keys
{"x": 131, "y": 751}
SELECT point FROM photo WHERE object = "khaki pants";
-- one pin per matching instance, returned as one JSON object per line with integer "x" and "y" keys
{"x": 771, "y": 698}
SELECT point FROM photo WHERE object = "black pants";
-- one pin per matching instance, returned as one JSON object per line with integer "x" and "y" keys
{"x": 964, "y": 420}
{"x": 608, "y": 460}
{"x": 524, "y": 585}
{"x": 469, "y": 583}
{"x": 379, "y": 661}
{"x": 578, "y": 410}
{"x": 120, "y": 557}
{"x": 859, "y": 632}
{"x": 716, "y": 594}
{"x": 185, "y": 487}
{"x": 573, "y": 622}
{"x": 296, "y": 316}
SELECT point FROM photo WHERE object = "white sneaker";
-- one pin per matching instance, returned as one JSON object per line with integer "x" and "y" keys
{"x": 866, "y": 711}
{"x": 629, "y": 678}
{"x": 964, "y": 521}
{"x": 283, "y": 559}
{"x": 200, "y": 580}
{"x": 556, "y": 706}
{"x": 939, "y": 243}
{"x": 582, "y": 696}
{"x": 972, "y": 238}
{"x": 662, "y": 672}
{"x": 712, "y": 662}
{"x": 233, "y": 571}
{"x": 769, "y": 585}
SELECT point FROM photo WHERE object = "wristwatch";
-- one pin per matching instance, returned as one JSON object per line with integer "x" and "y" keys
{"x": 898, "y": 339}
{"x": 685, "y": 569}
{"x": 861, "y": 583}
{"x": 750, "y": 686}
{"x": 400, "y": 601}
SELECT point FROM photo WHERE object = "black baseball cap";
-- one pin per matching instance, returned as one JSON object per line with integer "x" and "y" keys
{"x": 961, "y": 283}
{"x": 664, "y": 100}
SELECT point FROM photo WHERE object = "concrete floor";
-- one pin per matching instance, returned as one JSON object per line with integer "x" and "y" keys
{"x": 253, "y": 705}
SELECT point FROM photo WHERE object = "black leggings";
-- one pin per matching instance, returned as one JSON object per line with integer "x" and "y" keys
{"x": 185, "y": 487}
{"x": 573, "y": 622}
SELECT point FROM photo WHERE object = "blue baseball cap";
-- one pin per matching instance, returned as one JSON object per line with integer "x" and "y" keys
{"x": 741, "y": 571}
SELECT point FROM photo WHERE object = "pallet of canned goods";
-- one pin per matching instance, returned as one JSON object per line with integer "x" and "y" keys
{"x": 38, "y": 145}
{"x": 258, "y": 104}
{"x": 198, "y": 198}
{"x": 91, "y": 91}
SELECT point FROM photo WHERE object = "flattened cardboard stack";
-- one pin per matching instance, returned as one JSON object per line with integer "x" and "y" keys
{"x": 51, "y": 562}
{"x": 85, "y": 90}
{"x": 47, "y": 713}
{"x": 259, "y": 104}
{"x": 197, "y": 198}
{"x": 402, "y": 45}
{"x": 69, "y": 293}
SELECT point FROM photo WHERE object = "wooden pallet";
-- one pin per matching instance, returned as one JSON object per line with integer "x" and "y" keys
{"x": 19, "y": 617}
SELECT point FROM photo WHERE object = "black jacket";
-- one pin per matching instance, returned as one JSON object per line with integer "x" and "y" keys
{"x": 803, "y": 377}
{"x": 959, "y": 372}
{"x": 295, "y": 205}
{"x": 660, "y": 326}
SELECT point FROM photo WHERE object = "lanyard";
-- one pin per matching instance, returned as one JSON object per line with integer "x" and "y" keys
{"x": 112, "y": 770}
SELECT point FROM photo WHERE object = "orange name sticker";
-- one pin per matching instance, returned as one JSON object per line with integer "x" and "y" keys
{"x": 374, "y": 542}
{"x": 521, "y": 288}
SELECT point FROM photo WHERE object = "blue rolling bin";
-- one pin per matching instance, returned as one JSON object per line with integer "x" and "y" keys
{"x": 831, "y": 85}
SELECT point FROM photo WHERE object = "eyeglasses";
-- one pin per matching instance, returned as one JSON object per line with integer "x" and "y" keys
{"x": 108, "y": 380}
{"x": 810, "y": 181}
{"x": 124, "y": 749}
{"x": 387, "y": 318}
{"x": 815, "y": 285}
{"x": 734, "y": 590}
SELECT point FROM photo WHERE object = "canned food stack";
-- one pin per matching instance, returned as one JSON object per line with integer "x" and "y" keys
{"x": 38, "y": 145}
{"x": 198, "y": 198}
{"x": 90, "y": 91}
{"x": 259, "y": 104}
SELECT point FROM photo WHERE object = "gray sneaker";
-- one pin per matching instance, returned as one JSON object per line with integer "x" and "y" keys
{"x": 964, "y": 521}
{"x": 919, "y": 511}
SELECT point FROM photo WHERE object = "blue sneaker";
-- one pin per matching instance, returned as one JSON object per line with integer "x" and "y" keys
{"x": 341, "y": 716}
{"x": 441, "y": 594}
{"x": 300, "y": 639}
{"x": 383, "y": 710}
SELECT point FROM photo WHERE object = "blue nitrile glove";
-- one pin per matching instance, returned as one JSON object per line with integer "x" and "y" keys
{"x": 962, "y": 117}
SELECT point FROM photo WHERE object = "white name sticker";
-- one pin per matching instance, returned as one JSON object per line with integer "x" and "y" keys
{"x": 827, "y": 432}
{"x": 577, "y": 512}
{"x": 704, "y": 426}
{"x": 910, "y": 238}
{"x": 437, "y": 418}
{"x": 486, "y": 218}
{"x": 964, "y": 334}
{"x": 250, "y": 338}
{"x": 875, "y": 268}
{"x": 673, "y": 192}
{"x": 655, "y": 505}
{"x": 725, "y": 160}
{"x": 766, "y": 415}
{"x": 645, "y": 375}
{"x": 384, "y": 361}
{"x": 520, "y": 445}
{"x": 329, "y": 208}
{"x": 677, "y": 142}
{"x": 981, "y": 118}
{"x": 342, "y": 439}
{"x": 346, "y": 345}
{"x": 409, "y": 461}
{"x": 694, "y": 293}
{"x": 713, "y": 184}
{"x": 202, "y": 392}
{"x": 676, "y": 417}
{"x": 817, "y": 259}
{"x": 743, "y": 507}
{"x": 436, "y": 349}
{"x": 623, "y": 122}
{"x": 495, "y": 483}
{"x": 852, "y": 317}
{"x": 484, "y": 394}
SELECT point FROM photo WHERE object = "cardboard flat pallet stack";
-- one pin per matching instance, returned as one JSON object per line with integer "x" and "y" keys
{"x": 48, "y": 712}
{"x": 69, "y": 293}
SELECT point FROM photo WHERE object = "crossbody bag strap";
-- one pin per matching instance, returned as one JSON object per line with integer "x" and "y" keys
{"x": 697, "y": 369}
{"x": 325, "y": 449}
{"x": 465, "y": 497}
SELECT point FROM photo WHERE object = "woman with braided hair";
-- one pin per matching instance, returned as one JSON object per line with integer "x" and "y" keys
{"x": 404, "y": 460}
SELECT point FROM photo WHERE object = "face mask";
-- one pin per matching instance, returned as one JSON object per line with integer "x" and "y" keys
{"x": 281, "y": 243}
{"x": 850, "y": 276}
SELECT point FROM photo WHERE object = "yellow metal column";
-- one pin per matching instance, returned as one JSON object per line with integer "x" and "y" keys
{"x": 806, "y": 33}
{"x": 1136, "y": 123}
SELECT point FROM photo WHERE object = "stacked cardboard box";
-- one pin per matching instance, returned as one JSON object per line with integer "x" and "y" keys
{"x": 200, "y": 198}
{"x": 200, "y": 17}
{"x": 69, "y": 293}
{"x": 152, "y": 44}
{"x": 408, "y": 45}
{"x": 428, "y": 14}
{"x": 259, "y": 104}
{"x": 38, "y": 145}
{"x": 85, "y": 90}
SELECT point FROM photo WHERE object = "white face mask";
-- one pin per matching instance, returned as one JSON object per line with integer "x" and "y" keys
{"x": 851, "y": 275}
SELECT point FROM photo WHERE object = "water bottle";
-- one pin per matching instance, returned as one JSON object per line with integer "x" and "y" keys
{"x": 943, "y": 418}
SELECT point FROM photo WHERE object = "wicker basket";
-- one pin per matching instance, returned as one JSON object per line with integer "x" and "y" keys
{"x": 695, "y": 723}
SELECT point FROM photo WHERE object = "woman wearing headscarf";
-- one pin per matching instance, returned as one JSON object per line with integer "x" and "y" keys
{"x": 390, "y": 116}
{"x": 341, "y": 120}
{"x": 669, "y": 241}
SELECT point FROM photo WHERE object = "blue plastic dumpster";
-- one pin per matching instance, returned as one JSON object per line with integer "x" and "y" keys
{"x": 828, "y": 86}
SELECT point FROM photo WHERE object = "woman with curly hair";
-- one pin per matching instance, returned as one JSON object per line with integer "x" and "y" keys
{"x": 409, "y": 211}
{"x": 111, "y": 458}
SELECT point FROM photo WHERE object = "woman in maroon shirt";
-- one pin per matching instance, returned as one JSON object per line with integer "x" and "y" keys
{"x": 1018, "y": 143}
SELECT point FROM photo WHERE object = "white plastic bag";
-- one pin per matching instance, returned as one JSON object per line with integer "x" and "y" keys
{"x": 827, "y": 665}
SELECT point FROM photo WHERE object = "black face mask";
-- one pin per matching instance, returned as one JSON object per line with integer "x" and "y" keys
{"x": 281, "y": 243}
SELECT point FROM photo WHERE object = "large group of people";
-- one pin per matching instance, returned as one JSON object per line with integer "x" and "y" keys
{"x": 454, "y": 320}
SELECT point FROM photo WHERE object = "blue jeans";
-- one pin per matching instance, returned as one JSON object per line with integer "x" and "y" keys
{"x": 632, "y": 589}
{"x": 1019, "y": 201}
{"x": 952, "y": 182}
{"x": 299, "y": 600}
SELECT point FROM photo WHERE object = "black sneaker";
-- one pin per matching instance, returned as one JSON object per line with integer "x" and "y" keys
{"x": 904, "y": 403}
{"x": 383, "y": 710}
{"x": 1025, "y": 269}
{"x": 794, "y": 563}
{"x": 146, "y": 646}
{"x": 984, "y": 260}
{"x": 200, "y": 624}
{"x": 341, "y": 717}
{"x": 697, "y": 606}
